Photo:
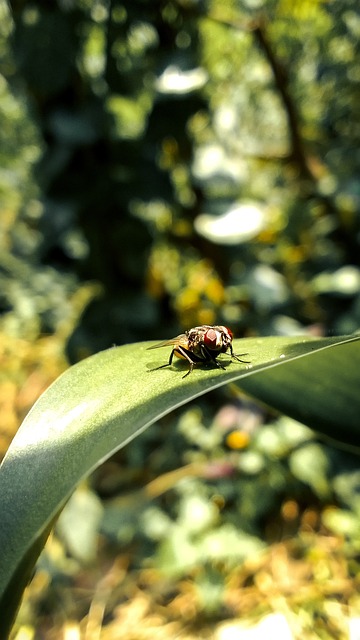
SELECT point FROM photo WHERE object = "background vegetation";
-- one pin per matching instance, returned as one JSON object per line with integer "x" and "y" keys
{"x": 166, "y": 164}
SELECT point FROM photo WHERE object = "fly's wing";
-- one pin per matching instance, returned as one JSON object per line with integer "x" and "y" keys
{"x": 172, "y": 342}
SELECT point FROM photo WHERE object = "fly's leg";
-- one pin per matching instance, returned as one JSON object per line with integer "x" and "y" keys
{"x": 184, "y": 354}
{"x": 209, "y": 357}
{"x": 238, "y": 357}
{"x": 168, "y": 363}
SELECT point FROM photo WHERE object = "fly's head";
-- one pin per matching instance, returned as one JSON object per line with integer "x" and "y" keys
{"x": 217, "y": 338}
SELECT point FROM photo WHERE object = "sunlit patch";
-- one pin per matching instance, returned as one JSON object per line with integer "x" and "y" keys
{"x": 240, "y": 223}
{"x": 176, "y": 81}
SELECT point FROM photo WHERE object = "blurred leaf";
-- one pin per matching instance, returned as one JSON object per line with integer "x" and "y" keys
{"x": 341, "y": 522}
{"x": 104, "y": 402}
{"x": 78, "y": 524}
{"x": 310, "y": 464}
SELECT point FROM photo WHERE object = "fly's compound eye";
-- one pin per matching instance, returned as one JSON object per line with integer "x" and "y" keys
{"x": 229, "y": 332}
{"x": 211, "y": 339}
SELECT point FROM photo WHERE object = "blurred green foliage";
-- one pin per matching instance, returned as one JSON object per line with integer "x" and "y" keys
{"x": 168, "y": 163}
{"x": 197, "y": 161}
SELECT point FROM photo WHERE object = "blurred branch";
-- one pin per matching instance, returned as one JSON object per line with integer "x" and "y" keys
{"x": 258, "y": 28}
{"x": 280, "y": 75}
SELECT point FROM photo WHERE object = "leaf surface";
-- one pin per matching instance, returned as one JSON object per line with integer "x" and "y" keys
{"x": 103, "y": 402}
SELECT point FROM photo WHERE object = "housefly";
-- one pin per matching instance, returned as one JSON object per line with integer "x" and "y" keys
{"x": 201, "y": 345}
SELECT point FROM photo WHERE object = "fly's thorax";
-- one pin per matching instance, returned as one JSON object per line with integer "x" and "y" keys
{"x": 196, "y": 338}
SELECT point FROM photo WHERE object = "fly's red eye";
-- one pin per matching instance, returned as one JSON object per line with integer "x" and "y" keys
{"x": 229, "y": 332}
{"x": 210, "y": 338}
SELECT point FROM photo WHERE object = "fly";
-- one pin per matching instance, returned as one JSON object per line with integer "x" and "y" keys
{"x": 201, "y": 345}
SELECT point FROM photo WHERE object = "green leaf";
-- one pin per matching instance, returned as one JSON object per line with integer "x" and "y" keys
{"x": 310, "y": 464}
{"x": 102, "y": 403}
{"x": 320, "y": 388}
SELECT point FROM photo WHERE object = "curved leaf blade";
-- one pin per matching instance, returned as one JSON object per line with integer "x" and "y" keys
{"x": 321, "y": 390}
{"x": 99, "y": 405}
